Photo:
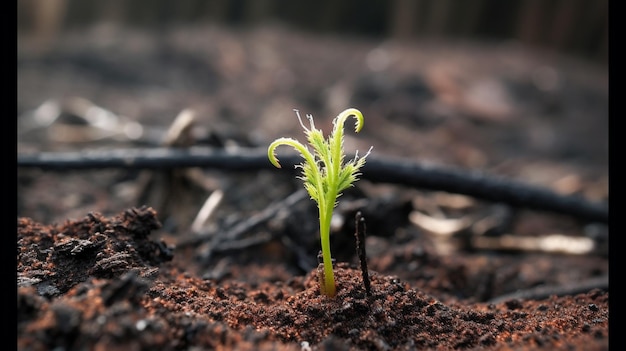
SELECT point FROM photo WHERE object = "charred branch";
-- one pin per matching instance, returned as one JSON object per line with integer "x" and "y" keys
{"x": 360, "y": 249}
{"x": 394, "y": 171}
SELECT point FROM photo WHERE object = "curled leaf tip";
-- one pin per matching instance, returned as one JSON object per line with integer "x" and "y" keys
{"x": 343, "y": 116}
{"x": 271, "y": 150}
{"x": 274, "y": 161}
{"x": 271, "y": 154}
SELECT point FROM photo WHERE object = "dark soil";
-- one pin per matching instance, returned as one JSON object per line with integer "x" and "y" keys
{"x": 111, "y": 259}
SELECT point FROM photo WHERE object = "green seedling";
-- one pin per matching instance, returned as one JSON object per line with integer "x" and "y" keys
{"x": 325, "y": 176}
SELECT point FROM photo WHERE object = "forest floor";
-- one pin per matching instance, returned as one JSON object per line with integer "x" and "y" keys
{"x": 207, "y": 258}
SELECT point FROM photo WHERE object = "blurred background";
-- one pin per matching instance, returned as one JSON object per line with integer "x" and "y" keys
{"x": 518, "y": 87}
{"x": 578, "y": 27}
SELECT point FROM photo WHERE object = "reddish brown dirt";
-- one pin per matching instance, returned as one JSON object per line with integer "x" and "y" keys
{"x": 101, "y": 283}
{"x": 107, "y": 259}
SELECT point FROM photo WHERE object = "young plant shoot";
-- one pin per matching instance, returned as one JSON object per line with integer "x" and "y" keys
{"x": 325, "y": 176}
